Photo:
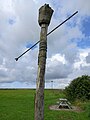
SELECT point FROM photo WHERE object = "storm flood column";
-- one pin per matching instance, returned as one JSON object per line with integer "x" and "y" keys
{"x": 45, "y": 14}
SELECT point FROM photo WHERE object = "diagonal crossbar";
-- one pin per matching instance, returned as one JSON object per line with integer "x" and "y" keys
{"x": 47, "y": 35}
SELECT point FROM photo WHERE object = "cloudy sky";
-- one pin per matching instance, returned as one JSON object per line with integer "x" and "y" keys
{"x": 68, "y": 54}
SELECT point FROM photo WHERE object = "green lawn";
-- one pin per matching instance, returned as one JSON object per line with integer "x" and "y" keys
{"x": 19, "y": 105}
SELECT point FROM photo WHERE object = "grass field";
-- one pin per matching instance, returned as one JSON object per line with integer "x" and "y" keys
{"x": 19, "y": 105}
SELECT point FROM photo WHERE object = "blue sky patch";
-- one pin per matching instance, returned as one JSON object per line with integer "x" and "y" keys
{"x": 82, "y": 43}
{"x": 86, "y": 26}
{"x": 30, "y": 45}
{"x": 11, "y": 21}
{"x": 57, "y": 6}
{"x": 71, "y": 24}
{"x": 0, "y": 35}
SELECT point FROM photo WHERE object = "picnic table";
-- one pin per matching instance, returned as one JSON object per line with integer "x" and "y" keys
{"x": 64, "y": 103}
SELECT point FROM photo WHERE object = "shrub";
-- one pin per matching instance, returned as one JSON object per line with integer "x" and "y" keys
{"x": 79, "y": 88}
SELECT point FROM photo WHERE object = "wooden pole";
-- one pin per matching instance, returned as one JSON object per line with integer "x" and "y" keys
{"x": 45, "y": 14}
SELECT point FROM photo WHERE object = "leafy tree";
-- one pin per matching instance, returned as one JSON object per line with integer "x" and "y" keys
{"x": 79, "y": 88}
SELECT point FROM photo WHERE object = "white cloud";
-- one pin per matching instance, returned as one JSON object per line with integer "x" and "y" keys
{"x": 64, "y": 56}
{"x": 81, "y": 67}
{"x": 58, "y": 58}
{"x": 57, "y": 67}
{"x": 82, "y": 60}
{"x": 73, "y": 5}
{"x": 88, "y": 58}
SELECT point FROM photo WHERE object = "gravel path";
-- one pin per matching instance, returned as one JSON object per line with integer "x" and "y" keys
{"x": 74, "y": 108}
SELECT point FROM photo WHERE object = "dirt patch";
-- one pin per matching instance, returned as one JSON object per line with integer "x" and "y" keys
{"x": 74, "y": 108}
